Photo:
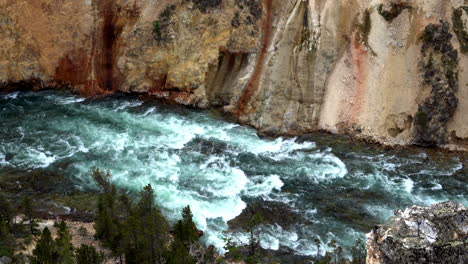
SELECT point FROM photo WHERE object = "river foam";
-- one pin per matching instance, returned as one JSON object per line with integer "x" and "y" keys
{"x": 216, "y": 167}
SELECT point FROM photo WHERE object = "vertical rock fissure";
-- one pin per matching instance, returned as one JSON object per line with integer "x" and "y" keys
{"x": 254, "y": 82}
{"x": 108, "y": 47}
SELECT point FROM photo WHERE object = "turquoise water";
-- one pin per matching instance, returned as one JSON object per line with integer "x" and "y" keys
{"x": 322, "y": 186}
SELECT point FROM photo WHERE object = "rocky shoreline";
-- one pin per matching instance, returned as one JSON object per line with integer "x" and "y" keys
{"x": 417, "y": 235}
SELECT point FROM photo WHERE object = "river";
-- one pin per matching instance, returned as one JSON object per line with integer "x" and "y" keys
{"x": 316, "y": 186}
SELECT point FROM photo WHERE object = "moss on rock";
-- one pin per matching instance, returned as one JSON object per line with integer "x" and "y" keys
{"x": 254, "y": 6}
{"x": 389, "y": 13}
{"x": 460, "y": 27}
{"x": 162, "y": 26}
{"x": 439, "y": 67}
{"x": 205, "y": 5}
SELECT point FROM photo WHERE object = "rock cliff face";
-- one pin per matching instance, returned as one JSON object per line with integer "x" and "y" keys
{"x": 392, "y": 71}
{"x": 437, "y": 234}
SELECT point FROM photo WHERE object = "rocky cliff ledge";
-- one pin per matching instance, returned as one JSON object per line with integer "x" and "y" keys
{"x": 429, "y": 235}
{"x": 389, "y": 70}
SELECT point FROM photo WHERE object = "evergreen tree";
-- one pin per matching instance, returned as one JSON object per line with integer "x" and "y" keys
{"x": 358, "y": 252}
{"x": 252, "y": 227}
{"x": 128, "y": 230}
{"x": 317, "y": 244}
{"x": 189, "y": 226}
{"x": 125, "y": 205}
{"x": 104, "y": 225}
{"x": 145, "y": 230}
{"x": 107, "y": 225}
{"x": 179, "y": 254}
{"x": 28, "y": 211}
{"x": 102, "y": 178}
{"x": 153, "y": 228}
{"x": 44, "y": 253}
{"x": 7, "y": 240}
{"x": 6, "y": 210}
{"x": 210, "y": 257}
{"x": 146, "y": 203}
{"x": 233, "y": 249}
{"x": 333, "y": 244}
{"x": 64, "y": 247}
{"x": 339, "y": 254}
{"x": 131, "y": 238}
{"x": 137, "y": 231}
{"x": 327, "y": 259}
{"x": 185, "y": 230}
{"x": 88, "y": 255}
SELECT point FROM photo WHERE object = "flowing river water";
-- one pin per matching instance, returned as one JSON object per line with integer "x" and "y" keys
{"x": 316, "y": 186}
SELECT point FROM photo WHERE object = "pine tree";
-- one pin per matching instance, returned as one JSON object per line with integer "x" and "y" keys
{"x": 333, "y": 244}
{"x": 128, "y": 230}
{"x": 64, "y": 247}
{"x": 179, "y": 254}
{"x": 139, "y": 232}
{"x": 103, "y": 224}
{"x": 131, "y": 238}
{"x": 317, "y": 244}
{"x": 144, "y": 231}
{"x": 189, "y": 226}
{"x": 358, "y": 252}
{"x": 146, "y": 203}
{"x": 28, "y": 211}
{"x": 125, "y": 205}
{"x": 327, "y": 259}
{"x": 179, "y": 231}
{"x": 339, "y": 254}
{"x": 209, "y": 256}
{"x": 102, "y": 178}
{"x": 88, "y": 255}
{"x": 153, "y": 228}
{"x": 108, "y": 226}
{"x": 185, "y": 230}
{"x": 6, "y": 210}
{"x": 44, "y": 253}
{"x": 252, "y": 227}
{"x": 7, "y": 240}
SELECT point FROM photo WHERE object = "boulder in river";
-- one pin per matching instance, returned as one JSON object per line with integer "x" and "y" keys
{"x": 429, "y": 235}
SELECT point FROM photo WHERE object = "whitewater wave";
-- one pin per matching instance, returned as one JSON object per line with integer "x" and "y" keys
{"x": 214, "y": 166}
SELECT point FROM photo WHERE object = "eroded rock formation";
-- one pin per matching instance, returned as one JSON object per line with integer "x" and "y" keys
{"x": 366, "y": 67}
{"x": 429, "y": 235}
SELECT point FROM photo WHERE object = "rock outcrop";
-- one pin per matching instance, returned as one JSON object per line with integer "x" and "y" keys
{"x": 429, "y": 235}
{"x": 365, "y": 67}
{"x": 440, "y": 68}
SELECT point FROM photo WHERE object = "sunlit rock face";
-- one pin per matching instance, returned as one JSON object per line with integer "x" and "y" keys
{"x": 285, "y": 67}
{"x": 435, "y": 234}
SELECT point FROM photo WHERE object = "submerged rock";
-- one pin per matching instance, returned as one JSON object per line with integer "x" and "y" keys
{"x": 436, "y": 234}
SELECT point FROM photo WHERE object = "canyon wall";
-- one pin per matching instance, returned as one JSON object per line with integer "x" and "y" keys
{"x": 387, "y": 70}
